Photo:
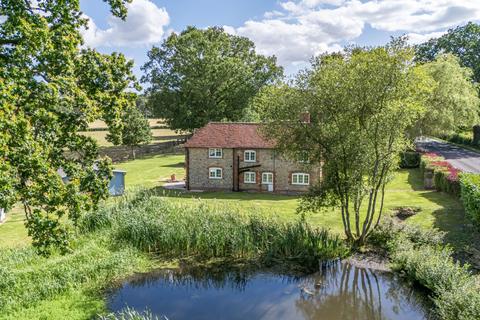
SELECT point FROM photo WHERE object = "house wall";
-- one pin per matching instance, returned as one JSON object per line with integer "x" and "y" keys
{"x": 268, "y": 161}
{"x": 282, "y": 169}
{"x": 198, "y": 170}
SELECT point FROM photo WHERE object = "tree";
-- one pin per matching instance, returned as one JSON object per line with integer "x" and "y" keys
{"x": 454, "y": 100}
{"x": 360, "y": 104}
{"x": 50, "y": 90}
{"x": 463, "y": 42}
{"x": 199, "y": 76}
{"x": 136, "y": 129}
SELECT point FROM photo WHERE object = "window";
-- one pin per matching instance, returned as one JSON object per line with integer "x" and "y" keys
{"x": 214, "y": 153}
{"x": 215, "y": 173}
{"x": 250, "y": 156}
{"x": 301, "y": 179}
{"x": 303, "y": 157}
{"x": 249, "y": 177}
{"x": 267, "y": 178}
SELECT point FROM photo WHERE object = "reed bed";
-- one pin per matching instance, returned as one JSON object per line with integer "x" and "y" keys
{"x": 157, "y": 225}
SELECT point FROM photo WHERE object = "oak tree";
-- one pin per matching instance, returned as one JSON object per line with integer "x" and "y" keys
{"x": 50, "y": 89}
{"x": 199, "y": 76}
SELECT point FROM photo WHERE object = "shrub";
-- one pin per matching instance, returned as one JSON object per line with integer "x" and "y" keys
{"x": 410, "y": 159}
{"x": 470, "y": 195}
{"x": 420, "y": 255}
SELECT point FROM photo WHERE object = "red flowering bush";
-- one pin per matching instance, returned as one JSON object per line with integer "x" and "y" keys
{"x": 445, "y": 175}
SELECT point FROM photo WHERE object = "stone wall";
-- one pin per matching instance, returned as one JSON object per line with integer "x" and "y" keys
{"x": 198, "y": 170}
{"x": 124, "y": 153}
{"x": 267, "y": 160}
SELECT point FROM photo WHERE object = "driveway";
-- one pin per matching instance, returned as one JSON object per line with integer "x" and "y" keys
{"x": 462, "y": 159}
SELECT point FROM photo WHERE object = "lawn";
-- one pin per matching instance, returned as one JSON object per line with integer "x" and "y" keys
{"x": 438, "y": 210}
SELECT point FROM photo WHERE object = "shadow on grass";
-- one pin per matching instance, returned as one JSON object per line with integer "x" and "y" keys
{"x": 415, "y": 179}
{"x": 180, "y": 164}
{"x": 221, "y": 195}
{"x": 460, "y": 233}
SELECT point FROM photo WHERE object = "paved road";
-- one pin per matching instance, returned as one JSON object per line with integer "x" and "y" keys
{"x": 463, "y": 159}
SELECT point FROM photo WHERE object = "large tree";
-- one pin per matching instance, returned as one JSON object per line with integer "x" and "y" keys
{"x": 136, "y": 129}
{"x": 199, "y": 76}
{"x": 454, "y": 101}
{"x": 360, "y": 104}
{"x": 50, "y": 90}
{"x": 462, "y": 41}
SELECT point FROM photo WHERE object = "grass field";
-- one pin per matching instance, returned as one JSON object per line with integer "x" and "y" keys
{"x": 159, "y": 135}
{"x": 101, "y": 124}
{"x": 438, "y": 210}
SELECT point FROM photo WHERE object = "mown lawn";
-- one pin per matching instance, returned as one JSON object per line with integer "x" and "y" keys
{"x": 158, "y": 135}
{"x": 438, "y": 210}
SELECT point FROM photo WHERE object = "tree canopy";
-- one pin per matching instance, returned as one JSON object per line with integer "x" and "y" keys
{"x": 360, "y": 102}
{"x": 462, "y": 41}
{"x": 50, "y": 90}
{"x": 453, "y": 102}
{"x": 199, "y": 76}
{"x": 136, "y": 129}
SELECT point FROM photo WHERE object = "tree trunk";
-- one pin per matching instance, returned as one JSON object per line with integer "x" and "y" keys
{"x": 133, "y": 152}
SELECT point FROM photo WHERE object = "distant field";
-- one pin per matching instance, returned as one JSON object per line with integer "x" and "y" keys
{"x": 100, "y": 124}
{"x": 159, "y": 135}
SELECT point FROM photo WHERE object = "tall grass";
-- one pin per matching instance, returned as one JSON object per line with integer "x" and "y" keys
{"x": 422, "y": 257}
{"x": 160, "y": 226}
{"x": 26, "y": 278}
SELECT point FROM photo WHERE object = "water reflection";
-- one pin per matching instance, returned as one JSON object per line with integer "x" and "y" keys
{"x": 338, "y": 291}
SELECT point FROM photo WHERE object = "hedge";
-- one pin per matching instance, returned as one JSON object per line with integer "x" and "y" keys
{"x": 409, "y": 159}
{"x": 470, "y": 195}
{"x": 446, "y": 177}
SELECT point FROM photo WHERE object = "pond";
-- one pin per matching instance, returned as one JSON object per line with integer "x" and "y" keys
{"x": 339, "y": 290}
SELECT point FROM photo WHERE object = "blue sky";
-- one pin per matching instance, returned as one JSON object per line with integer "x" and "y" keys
{"x": 292, "y": 30}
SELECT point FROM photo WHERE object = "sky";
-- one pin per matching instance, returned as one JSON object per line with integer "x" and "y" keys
{"x": 293, "y": 31}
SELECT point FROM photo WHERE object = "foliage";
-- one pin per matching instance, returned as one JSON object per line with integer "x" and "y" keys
{"x": 420, "y": 256}
{"x": 157, "y": 225}
{"x": 470, "y": 195}
{"x": 50, "y": 89}
{"x": 136, "y": 129}
{"x": 454, "y": 100}
{"x": 199, "y": 76}
{"x": 463, "y": 42}
{"x": 360, "y": 104}
{"x": 463, "y": 138}
{"x": 409, "y": 159}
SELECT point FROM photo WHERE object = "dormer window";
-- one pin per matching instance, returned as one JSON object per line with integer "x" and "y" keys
{"x": 215, "y": 153}
{"x": 250, "y": 156}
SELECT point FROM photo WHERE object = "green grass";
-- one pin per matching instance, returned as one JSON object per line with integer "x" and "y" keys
{"x": 159, "y": 135}
{"x": 152, "y": 171}
{"x": 438, "y": 210}
{"x": 12, "y": 232}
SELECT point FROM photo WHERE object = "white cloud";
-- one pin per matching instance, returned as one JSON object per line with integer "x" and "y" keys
{"x": 416, "y": 38}
{"x": 307, "y": 27}
{"x": 144, "y": 25}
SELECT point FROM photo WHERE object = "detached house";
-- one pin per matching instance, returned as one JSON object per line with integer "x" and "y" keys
{"x": 236, "y": 157}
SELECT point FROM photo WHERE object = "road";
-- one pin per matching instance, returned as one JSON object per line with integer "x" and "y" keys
{"x": 462, "y": 159}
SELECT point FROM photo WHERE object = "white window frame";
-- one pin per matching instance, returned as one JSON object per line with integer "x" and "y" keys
{"x": 298, "y": 178}
{"x": 266, "y": 174}
{"x": 215, "y": 153}
{"x": 250, "y": 153}
{"x": 215, "y": 171}
{"x": 250, "y": 174}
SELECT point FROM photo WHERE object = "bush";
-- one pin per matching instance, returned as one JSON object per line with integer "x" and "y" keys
{"x": 409, "y": 159}
{"x": 420, "y": 255}
{"x": 470, "y": 195}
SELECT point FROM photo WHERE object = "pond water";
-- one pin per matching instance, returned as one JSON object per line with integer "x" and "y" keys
{"x": 338, "y": 290}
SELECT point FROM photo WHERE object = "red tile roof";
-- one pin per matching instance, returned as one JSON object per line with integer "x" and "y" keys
{"x": 229, "y": 135}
